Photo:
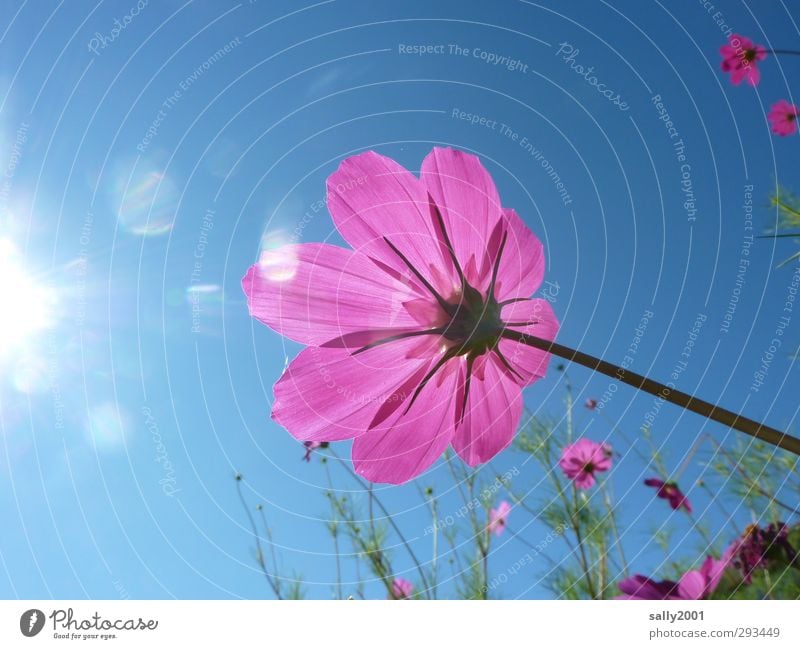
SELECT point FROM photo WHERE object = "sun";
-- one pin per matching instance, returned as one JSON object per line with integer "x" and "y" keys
{"x": 27, "y": 306}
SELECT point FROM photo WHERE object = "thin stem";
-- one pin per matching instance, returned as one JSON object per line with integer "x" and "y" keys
{"x": 751, "y": 482}
{"x": 614, "y": 528}
{"x": 576, "y": 527}
{"x": 391, "y": 520}
{"x": 795, "y": 52}
{"x": 334, "y": 528}
{"x": 261, "y": 562}
{"x": 268, "y": 533}
{"x": 709, "y": 410}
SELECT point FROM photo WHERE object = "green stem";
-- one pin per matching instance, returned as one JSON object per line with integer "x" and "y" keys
{"x": 709, "y": 410}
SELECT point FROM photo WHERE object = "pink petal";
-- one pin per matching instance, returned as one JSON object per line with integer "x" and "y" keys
{"x": 522, "y": 263}
{"x": 536, "y": 318}
{"x": 323, "y": 293}
{"x": 692, "y": 585}
{"x": 407, "y": 443}
{"x": 371, "y": 197}
{"x": 713, "y": 569}
{"x": 330, "y": 394}
{"x": 492, "y": 414}
{"x": 468, "y": 201}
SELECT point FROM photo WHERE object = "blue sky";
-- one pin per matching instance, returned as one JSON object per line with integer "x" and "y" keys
{"x": 148, "y": 160}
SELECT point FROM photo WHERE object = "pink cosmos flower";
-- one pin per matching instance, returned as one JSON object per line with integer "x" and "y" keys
{"x": 581, "y": 460}
{"x": 740, "y": 57}
{"x": 498, "y": 518}
{"x": 415, "y": 333}
{"x": 783, "y": 118}
{"x": 591, "y": 404}
{"x": 757, "y": 546}
{"x": 694, "y": 584}
{"x": 402, "y": 588}
{"x": 671, "y": 492}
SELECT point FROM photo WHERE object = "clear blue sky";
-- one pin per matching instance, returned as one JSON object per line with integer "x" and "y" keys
{"x": 146, "y": 162}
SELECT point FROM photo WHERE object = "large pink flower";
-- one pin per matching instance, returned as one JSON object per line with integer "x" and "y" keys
{"x": 413, "y": 333}
{"x": 783, "y": 118}
{"x": 740, "y": 58}
{"x": 581, "y": 460}
{"x": 694, "y": 584}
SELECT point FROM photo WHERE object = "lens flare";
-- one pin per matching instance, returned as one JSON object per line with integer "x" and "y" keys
{"x": 28, "y": 308}
{"x": 277, "y": 262}
{"x": 146, "y": 200}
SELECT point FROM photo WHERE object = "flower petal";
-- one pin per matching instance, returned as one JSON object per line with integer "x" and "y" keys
{"x": 467, "y": 199}
{"x": 330, "y": 394}
{"x": 492, "y": 413}
{"x": 409, "y": 442}
{"x": 692, "y": 585}
{"x": 323, "y": 293}
{"x": 522, "y": 262}
{"x": 536, "y": 318}
{"x": 371, "y": 197}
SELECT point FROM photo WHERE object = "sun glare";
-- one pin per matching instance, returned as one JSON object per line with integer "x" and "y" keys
{"x": 27, "y": 306}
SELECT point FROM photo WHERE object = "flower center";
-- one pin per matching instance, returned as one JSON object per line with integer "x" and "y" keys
{"x": 749, "y": 55}
{"x": 475, "y": 326}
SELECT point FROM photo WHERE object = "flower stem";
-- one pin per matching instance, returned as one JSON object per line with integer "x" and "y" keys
{"x": 795, "y": 52}
{"x": 709, "y": 410}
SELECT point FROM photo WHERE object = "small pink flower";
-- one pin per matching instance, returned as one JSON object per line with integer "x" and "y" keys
{"x": 581, "y": 460}
{"x": 740, "y": 57}
{"x": 591, "y": 404}
{"x": 671, "y": 492}
{"x": 415, "y": 333}
{"x": 402, "y": 588}
{"x": 783, "y": 118}
{"x": 694, "y": 584}
{"x": 498, "y": 518}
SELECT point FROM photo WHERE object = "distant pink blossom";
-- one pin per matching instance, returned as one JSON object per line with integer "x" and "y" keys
{"x": 783, "y": 118}
{"x": 591, "y": 404}
{"x": 671, "y": 492}
{"x": 402, "y": 588}
{"x": 311, "y": 447}
{"x": 413, "y": 333}
{"x": 756, "y": 546}
{"x": 694, "y": 584}
{"x": 740, "y": 58}
{"x": 581, "y": 460}
{"x": 498, "y": 518}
